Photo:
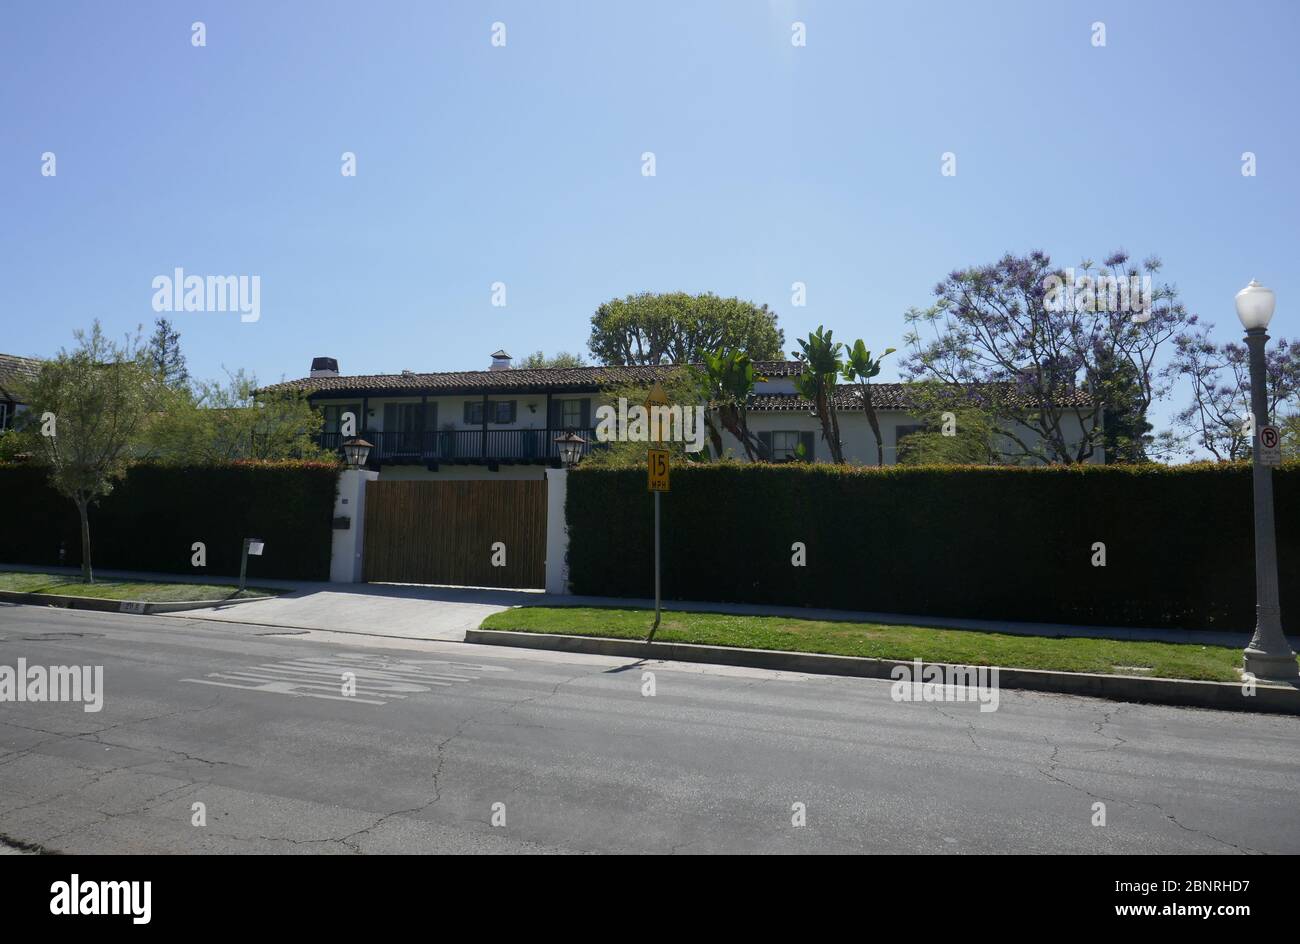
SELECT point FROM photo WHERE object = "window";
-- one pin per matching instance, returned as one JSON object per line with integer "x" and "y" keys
{"x": 570, "y": 414}
{"x": 4, "y": 416}
{"x": 404, "y": 426}
{"x": 333, "y": 416}
{"x": 787, "y": 446}
{"x": 499, "y": 411}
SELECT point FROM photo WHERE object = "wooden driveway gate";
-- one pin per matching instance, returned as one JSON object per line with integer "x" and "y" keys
{"x": 444, "y": 532}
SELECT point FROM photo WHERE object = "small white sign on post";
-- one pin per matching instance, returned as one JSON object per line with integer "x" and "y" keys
{"x": 1270, "y": 446}
{"x": 255, "y": 548}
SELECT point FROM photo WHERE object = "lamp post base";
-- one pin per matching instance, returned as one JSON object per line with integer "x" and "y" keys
{"x": 1269, "y": 655}
{"x": 1275, "y": 668}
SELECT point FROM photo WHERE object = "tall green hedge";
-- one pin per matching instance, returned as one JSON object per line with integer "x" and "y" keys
{"x": 152, "y": 518}
{"x": 992, "y": 543}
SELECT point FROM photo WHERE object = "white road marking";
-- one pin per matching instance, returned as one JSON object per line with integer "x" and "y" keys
{"x": 322, "y": 677}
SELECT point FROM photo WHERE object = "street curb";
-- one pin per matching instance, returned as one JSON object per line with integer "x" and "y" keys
{"x": 1269, "y": 698}
{"x": 66, "y": 602}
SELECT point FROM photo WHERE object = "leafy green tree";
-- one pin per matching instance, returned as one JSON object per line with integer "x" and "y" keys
{"x": 726, "y": 382}
{"x": 859, "y": 367}
{"x": 1127, "y": 434}
{"x": 236, "y": 420}
{"x": 956, "y": 428}
{"x": 91, "y": 407}
{"x": 677, "y": 328}
{"x": 562, "y": 359}
{"x": 166, "y": 356}
{"x": 820, "y": 356}
{"x": 680, "y": 387}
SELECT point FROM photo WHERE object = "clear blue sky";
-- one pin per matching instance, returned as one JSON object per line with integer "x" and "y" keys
{"x": 523, "y": 164}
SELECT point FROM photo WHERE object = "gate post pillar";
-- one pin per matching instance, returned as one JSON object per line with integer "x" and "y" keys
{"x": 349, "y": 525}
{"x": 557, "y": 532}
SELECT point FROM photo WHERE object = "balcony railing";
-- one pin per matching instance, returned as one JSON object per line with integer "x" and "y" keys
{"x": 467, "y": 446}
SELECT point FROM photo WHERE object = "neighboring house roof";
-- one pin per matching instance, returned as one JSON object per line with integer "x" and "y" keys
{"x": 14, "y": 370}
{"x": 884, "y": 396}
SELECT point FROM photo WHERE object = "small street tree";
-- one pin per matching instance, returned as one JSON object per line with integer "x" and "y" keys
{"x": 859, "y": 367}
{"x": 91, "y": 406}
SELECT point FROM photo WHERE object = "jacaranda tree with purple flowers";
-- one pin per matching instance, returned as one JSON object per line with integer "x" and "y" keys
{"x": 1050, "y": 352}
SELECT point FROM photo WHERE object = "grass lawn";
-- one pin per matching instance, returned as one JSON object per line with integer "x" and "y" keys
{"x": 137, "y": 590}
{"x": 965, "y": 647}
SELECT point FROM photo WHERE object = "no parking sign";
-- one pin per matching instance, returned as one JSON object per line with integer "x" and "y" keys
{"x": 1270, "y": 446}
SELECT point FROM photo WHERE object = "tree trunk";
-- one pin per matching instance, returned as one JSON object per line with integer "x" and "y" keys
{"x": 875, "y": 425}
{"x": 730, "y": 417}
{"x": 715, "y": 437}
{"x": 87, "y": 574}
{"x": 837, "y": 449}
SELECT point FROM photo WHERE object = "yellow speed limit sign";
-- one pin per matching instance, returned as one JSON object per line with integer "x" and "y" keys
{"x": 658, "y": 481}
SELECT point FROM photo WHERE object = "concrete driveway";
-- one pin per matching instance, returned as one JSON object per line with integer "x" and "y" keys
{"x": 401, "y": 610}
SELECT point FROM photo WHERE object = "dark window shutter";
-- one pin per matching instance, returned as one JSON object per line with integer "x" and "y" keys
{"x": 390, "y": 417}
{"x": 585, "y": 422}
{"x": 469, "y": 406}
{"x": 809, "y": 442}
{"x": 765, "y": 442}
{"x": 430, "y": 416}
{"x": 553, "y": 419}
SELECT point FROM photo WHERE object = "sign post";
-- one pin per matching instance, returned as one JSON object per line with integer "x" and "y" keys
{"x": 657, "y": 482}
{"x": 251, "y": 546}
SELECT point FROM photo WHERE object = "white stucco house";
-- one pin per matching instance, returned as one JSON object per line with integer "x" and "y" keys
{"x": 502, "y": 422}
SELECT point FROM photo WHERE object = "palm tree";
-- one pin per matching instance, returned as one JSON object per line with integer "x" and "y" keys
{"x": 860, "y": 367}
{"x": 820, "y": 356}
{"x": 727, "y": 382}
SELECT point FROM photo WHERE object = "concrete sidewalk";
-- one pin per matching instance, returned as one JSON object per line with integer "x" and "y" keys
{"x": 405, "y": 611}
{"x": 418, "y": 611}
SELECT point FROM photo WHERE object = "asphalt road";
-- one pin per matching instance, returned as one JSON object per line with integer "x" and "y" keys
{"x": 251, "y": 722}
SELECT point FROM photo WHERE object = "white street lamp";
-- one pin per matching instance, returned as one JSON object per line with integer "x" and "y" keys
{"x": 1268, "y": 656}
{"x": 1255, "y": 305}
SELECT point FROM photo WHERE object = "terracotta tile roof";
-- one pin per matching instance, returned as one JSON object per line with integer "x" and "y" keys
{"x": 502, "y": 381}
{"x": 13, "y": 371}
{"x": 884, "y": 396}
